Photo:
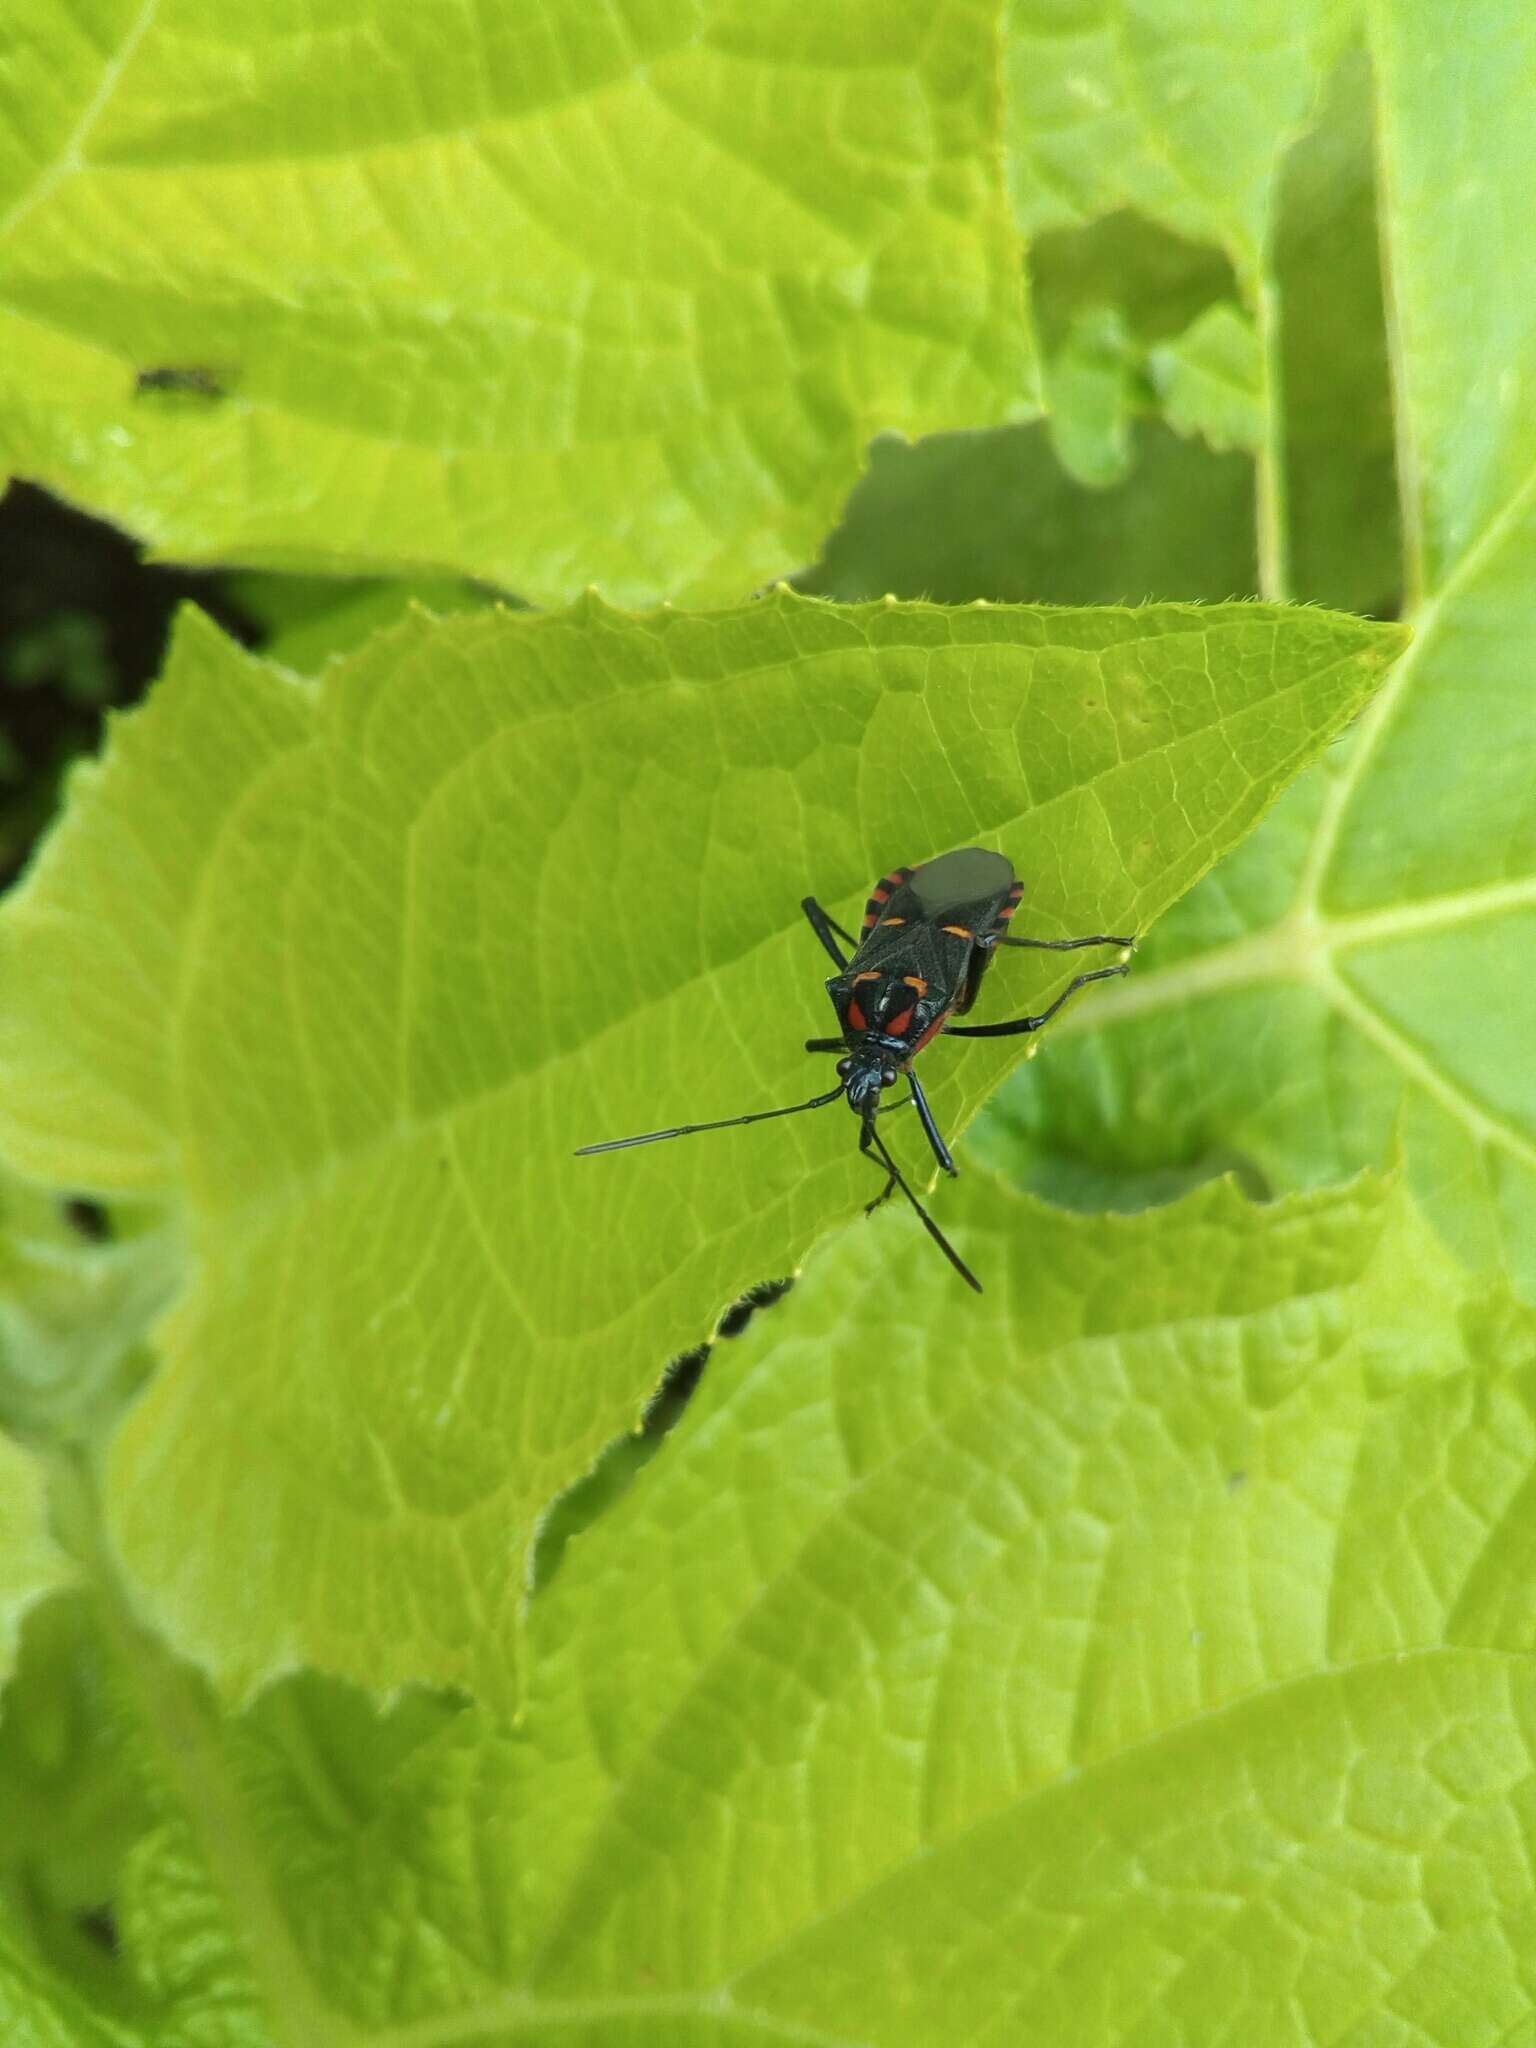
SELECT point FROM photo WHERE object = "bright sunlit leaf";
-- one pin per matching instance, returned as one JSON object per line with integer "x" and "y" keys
{"x": 552, "y": 297}
{"x": 348, "y": 974}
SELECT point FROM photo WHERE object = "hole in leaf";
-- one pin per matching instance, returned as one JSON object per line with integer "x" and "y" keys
{"x": 622, "y": 1461}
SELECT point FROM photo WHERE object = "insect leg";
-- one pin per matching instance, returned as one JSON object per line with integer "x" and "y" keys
{"x": 825, "y": 1045}
{"x": 866, "y": 1146}
{"x": 931, "y": 1129}
{"x": 898, "y": 1180}
{"x": 1064, "y": 945}
{"x": 824, "y": 927}
{"x": 1021, "y": 1024}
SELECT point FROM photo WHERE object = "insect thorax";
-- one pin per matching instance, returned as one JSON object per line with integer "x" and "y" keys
{"x": 894, "y": 1007}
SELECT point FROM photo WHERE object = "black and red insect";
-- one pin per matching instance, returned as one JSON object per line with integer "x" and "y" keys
{"x": 928, "y": 938}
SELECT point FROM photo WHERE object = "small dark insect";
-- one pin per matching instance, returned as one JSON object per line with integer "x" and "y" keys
{"x": 191, "y": 380}
{"x": 929, "y": 935}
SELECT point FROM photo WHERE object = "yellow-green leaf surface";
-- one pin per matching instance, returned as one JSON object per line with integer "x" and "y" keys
{"x": 347, "y": 974}
{"x": 1069, "y": 1671}
{"x": 1364, "y": 968}
{"x": 563, "y": 296}
{"x": 1142, "y": 1655}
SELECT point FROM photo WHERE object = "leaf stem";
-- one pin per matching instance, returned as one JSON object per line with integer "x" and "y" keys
{"x": 1271, "y": 508}
{"x": 178, "y": 1720}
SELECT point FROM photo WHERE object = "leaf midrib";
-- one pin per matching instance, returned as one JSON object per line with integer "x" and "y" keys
{"x": 177, "y": 1722}
{"x": 69, "y": 157}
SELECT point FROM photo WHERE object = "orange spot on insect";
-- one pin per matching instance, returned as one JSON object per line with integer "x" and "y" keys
{"x": 897, "y": 1025}
{"x": 915, "y": 981}
{"x": 961, "y": 931}
{"x": 857, "y": 1021}
{"x": 889, "y": 922}
{"x": 869, "y": 974}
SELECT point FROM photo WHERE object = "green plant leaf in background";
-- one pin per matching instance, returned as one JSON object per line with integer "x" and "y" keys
{"x": 31, "y": 1563}
{"x": 995, "y": 516}
{"x": 618, "y": 298}
{"x": 73, "y": 1313}
{"x": 38, "y": 2009}
{"x": 1335, "y": 428}
{"x": 1143, "y": 1655}
{"x": 1125, "y": 511}
{"x": 1210, "y": 380}
{"x": 345, "y": 975}
{"x": 1363, "y": 968}
{"x": 1105, "y": 294}
{"x": 73, "y": 1791}
{"x": 305, "y": 621}
{"x": 1181, "y": 114}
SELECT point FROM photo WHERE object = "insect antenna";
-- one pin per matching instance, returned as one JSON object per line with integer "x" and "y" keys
{"x": 933, "y": 1230}
{"x": 757, "y": 1116}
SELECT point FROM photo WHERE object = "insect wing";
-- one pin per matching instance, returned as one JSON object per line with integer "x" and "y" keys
{"x": 970, "y": 889}
{"x": 881, "y": 894}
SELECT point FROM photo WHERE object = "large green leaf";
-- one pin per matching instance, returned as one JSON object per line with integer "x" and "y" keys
{"x": 1363, "y": 967}
{"x": 1067, "y": 1671}
{"x": 349, "y": 974}
{"x": 581, "y": 296}
{"x": 1142, "y": 1655}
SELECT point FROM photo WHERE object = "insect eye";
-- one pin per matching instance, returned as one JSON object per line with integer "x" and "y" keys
{"x": 888, "y": 1078}
{"x": 842, "y": 1068}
